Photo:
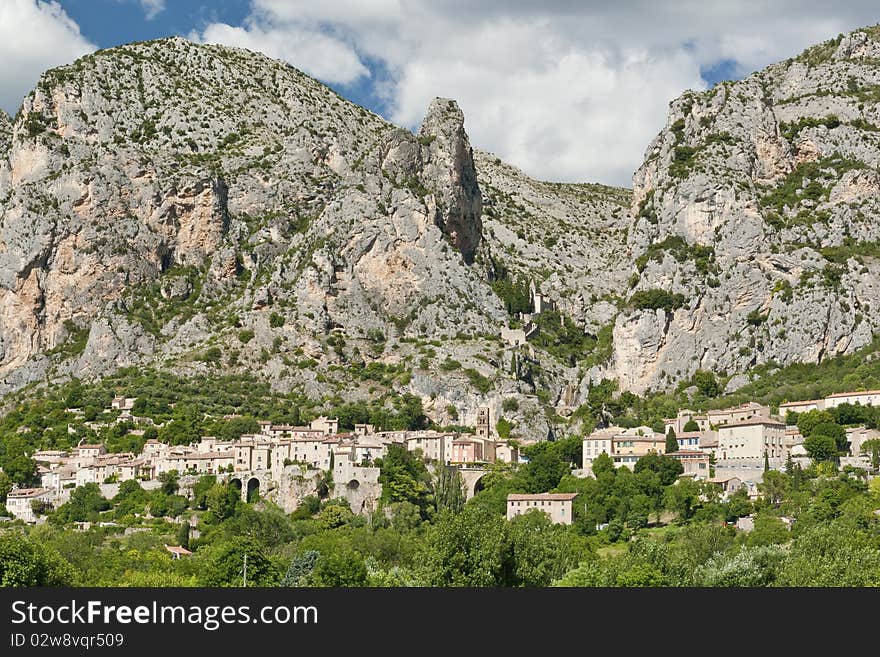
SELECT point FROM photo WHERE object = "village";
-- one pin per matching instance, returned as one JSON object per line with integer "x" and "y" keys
{"x": 729, "y": 447}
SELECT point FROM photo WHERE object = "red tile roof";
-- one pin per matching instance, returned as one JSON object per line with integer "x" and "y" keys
{"x": 536, "y": 497}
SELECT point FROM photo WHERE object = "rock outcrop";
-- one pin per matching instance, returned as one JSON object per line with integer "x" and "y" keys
{"x": 449, "y": 165}
{"x": 757, "y": 205}
{"x": 161, "y": 200}
{"x": 202, "y": 207}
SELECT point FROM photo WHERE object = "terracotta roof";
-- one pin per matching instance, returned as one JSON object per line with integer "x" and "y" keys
{"x": 174, "y": 549}
{"x": 89, "y": 446}
{"x": 757, "y": 420}
{"x": 801, "y": 403}
{"x": 854, "y": 394}
{"x": 27, "y": 492}
{"x": 553, "y": 497}
{"x": 209, "y": 455}
{"x": 742, "y": 407}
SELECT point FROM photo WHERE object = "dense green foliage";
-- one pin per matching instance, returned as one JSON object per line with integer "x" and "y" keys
{"x": 655, "y": 299}
{"x": 617, "y": 537}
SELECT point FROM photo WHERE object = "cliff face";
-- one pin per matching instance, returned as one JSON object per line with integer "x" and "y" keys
{"x": 231, "y": 176}
{"x": 164, "y": 200}
{"x": 200, "y": 207}
{"x": 757, "y": 205}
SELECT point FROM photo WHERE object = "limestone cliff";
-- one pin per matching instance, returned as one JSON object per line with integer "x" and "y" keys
{"x": 205, "y": 208}
{"x": 756, "y": 204}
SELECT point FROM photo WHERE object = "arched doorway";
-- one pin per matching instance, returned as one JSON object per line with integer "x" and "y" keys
{"x": 478, "y": 485}
{"x": 253, "y": 490}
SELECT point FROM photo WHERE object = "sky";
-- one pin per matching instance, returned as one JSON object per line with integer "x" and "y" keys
{"x": 567, "y": 90}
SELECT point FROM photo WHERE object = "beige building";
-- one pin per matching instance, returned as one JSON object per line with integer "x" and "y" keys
{"x": 752, "y": 439}
{"x": 694, "y": 461}
{"x": 801, "y": 406}
{"x": 19, "y": 502}
{"x": 556, "y": 505}
{"x": 691, "y": 439}
{"x": 598, "y": 442}
{"x": 865, "y": 398}
{"x": 468, "y": 449}
{"x": 506, "y": 453}
{"x": 684, "y": 416}
{"x": 85, "y": 454}
{"x": 123, "y": 403}
{"x": 328, "y": 426}
{"x": 484, "y": 422}
{"x": 747, "y": 411}
{"x": 856, "y": 436}
{"x": 435, "y": 446}
{"x": 727, "y": 485}
{"x": 628, "y": 447}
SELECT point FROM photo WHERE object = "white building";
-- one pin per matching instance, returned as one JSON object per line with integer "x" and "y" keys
{"x": 866, "y": 398}
{"x": 19, "y": 502}
{"x": 689, "y": 439}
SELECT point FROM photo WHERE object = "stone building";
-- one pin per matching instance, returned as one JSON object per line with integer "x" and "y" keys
{"x": 556, "y": 505}
{"x": 751, "y": 439}
{"x": 20, "y": 502}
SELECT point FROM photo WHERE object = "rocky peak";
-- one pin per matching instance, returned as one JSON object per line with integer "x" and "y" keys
{"x": 864, "y": 43}
{"x": 448, "y": 166}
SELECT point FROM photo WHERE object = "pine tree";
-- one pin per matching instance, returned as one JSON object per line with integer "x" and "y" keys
{"x": 671, "y": 441}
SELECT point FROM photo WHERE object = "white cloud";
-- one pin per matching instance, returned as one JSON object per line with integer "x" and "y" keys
{"x": 34, "y": 36}
{"x": 566, "y": 90}
{"x": 152, "y": 8}
{"x": 315, "y": 53}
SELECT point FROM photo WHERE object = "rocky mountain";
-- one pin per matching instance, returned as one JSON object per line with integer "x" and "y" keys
{"x": 571, "y": 239}
{"x": 202, "y": 207}
{"x": 206, "y": 209}
{"x": 755, "y": 222}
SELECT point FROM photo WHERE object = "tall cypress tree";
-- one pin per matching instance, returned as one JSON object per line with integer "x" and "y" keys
{"x": 671, "y": 441}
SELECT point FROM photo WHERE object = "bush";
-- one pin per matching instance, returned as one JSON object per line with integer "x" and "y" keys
{"x": 276, "y": 320}
{"x": 510, "y": 404}
{"x": 655, "y": 299}
{"x": 245, "y": 336}
{"x": 212, "y": 355}
{"x": 478, "y": 381}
